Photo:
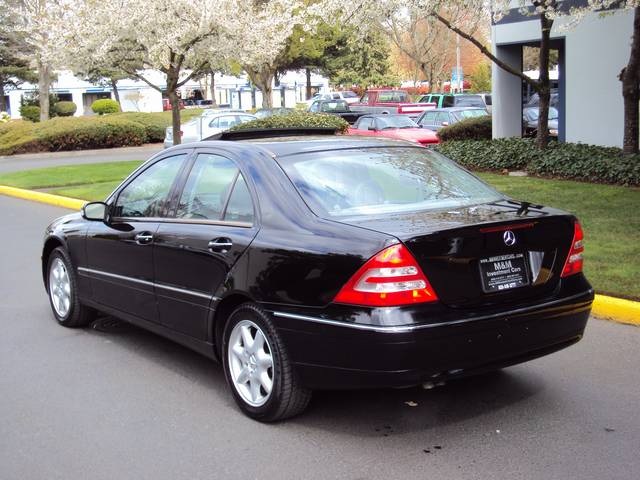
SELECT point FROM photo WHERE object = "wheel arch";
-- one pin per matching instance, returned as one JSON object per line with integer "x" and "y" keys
{"x": 49, "y": 246}
{"x": 223, "y": 311}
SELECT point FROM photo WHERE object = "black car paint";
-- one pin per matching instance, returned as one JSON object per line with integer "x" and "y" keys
{"x": 292, "y": 263}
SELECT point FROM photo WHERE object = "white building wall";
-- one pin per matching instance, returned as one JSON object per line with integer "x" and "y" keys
{"x": 596, "y": 50}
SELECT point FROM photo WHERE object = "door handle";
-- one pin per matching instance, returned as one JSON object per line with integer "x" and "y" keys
{"x": 143, "y": 238}
{"x": 221, "y": 245}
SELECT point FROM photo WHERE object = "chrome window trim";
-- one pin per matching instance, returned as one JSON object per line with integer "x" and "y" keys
{"x": 85, "y": 270}
{"x": 411, "y": 328}
{"x": 182, "y": 220}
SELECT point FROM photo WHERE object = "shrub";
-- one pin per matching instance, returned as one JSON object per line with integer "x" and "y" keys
{"x": 573, "y": 161}
{"x": 30, "y": 112}
{"x": 105, "y": 105}
{"x": 4, "y": 117}
{"x": 65, "y": 109}
{"x": 70, "y": 133}
{"x": 154, "y": 124}
{"x": 297, "y": 120}
{"x": 478, "y": 128}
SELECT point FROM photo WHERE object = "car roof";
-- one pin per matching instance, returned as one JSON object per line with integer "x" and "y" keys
{"x": 381, "y": 115}
{"x": 291, "y": 145}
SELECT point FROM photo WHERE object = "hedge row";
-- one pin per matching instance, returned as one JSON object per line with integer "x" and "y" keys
{"x": 575, "y": 161}
{"x": 298, "y": 120}
{"x": 79, "y": 133}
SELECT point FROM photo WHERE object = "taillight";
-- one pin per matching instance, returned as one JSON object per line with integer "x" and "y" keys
{"x": 390, "y": 278}
{"x": 573, "y": 264}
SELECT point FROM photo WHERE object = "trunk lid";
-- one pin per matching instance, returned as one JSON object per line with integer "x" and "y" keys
{"x": 483, "y": 255}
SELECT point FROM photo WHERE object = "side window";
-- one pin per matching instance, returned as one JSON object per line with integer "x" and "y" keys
{"x": 245, "y": 118}
{"x": 214, "y": 123}
{"x": 442, "y": 117}
{"x": 365, "y": 98}
{"x": 448, "y": 101}
{"x": 364, "y": 124}
{"x": 240, "y": 206}
{"x": 227, "y": 121}
{"x": 314, "y": 106}
{"x": 146, "y": 195}
{"x": 207, "y": 188}
{"x": 428, "y": 118}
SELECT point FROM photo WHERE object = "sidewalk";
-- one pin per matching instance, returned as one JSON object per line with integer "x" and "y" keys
{"x": 27, "y": 161}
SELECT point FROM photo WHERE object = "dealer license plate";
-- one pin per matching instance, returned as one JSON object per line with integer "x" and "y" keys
{"x": 504, "y": 272}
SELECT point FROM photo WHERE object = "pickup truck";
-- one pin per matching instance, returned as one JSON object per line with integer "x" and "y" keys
{"x": 390, "y": 101}
{"x": 339, "y": 108}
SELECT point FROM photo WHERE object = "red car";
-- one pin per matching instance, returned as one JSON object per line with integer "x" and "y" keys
{"x": 393, "y": 126}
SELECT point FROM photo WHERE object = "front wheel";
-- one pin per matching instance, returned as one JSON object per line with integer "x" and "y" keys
{"x": 62, "y": 290}
{"x": 258, "y": 369}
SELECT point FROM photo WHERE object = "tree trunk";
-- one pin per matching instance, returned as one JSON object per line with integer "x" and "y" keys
{"x": 544, "y": 86}
{"x": 3, "y": 105}
{"x": 172, "y": 93}
{"x": 630, "y": 77}
{"x": 263, "y": 79}
{"x": 214, "y": 102}
{"x": 114, "y": 89}
{"x": 308, "y": 93}
{"x": 44, "y": 84}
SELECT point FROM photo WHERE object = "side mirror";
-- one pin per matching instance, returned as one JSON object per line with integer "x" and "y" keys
{"x": 95, "y": 211}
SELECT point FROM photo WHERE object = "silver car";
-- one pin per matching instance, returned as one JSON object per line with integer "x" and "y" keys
{"x": 207, "y": 124}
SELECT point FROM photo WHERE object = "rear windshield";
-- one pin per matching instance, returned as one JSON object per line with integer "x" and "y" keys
{"x": 335, "y": 106}
{"x": 373, "y": 181}
{"x": 469, "y": 101}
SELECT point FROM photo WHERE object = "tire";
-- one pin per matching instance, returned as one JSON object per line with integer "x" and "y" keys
{"x": 65, "y": 305}
{"x": 265, "y": 364}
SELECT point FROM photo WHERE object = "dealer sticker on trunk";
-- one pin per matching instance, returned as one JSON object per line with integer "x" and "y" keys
{"x": 504, "y": 272}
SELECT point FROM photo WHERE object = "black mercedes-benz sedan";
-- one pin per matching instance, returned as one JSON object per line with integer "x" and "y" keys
{"x": 311, "y": 262}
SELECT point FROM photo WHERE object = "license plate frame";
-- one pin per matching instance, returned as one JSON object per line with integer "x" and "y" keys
{"x": 501, "y": 273}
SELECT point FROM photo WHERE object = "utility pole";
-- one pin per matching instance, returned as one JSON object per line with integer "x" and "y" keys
{"x": 460, "y": 85}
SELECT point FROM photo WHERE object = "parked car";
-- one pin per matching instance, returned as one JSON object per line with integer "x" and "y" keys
{"x": 387, "y": 101}
{"x": 530, "y": 117}
{"x": 444, "y": 100}
{"x": 322, "y": 263}
{"x": 393, "y": 126}
{"x": 268, "y": 112}
{"x": 488, "y": 101}
{"x": 346, "y": 95}
{"x": 339, "y": 108}
{"x": 209, "y": 123}
{"x": 534, "y": 100}
{"x": 166, "y": 104}
{"x": 443, "y": 117}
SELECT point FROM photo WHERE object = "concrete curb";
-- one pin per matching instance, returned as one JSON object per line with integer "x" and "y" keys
{"x": 616, "y": 309}
{"x": 610, "y": 308}
{"x": 57, "y": 200}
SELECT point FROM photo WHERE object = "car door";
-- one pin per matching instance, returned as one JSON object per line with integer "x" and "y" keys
{"x": 429, "y": 120}
{"x": 120, "y": 251}
{"x": 212, "y": 222}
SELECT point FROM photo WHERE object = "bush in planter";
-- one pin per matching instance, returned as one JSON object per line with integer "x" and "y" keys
{"x": 4, "y": 117}
{"x": 30, "y": 112}
{"x": 477, "y": 128}
{"x": 105, "y": 105}
{"x": 297, "y": 120}
{"x": 65, "y": 109}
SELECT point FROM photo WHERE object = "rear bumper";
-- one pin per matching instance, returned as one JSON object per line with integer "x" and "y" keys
{"x": 330, "y": 354}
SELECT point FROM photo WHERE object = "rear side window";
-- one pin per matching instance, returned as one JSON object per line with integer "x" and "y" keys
{"x": 207, "y": 188}
{"x": 447, "y": 101}
{"x": 373, "y": 181}
{"x": 469, "y": 101}
{"x": 365, "y": 123}
{"x": 240, "y": 206}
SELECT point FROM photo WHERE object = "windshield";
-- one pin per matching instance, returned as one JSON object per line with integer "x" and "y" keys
{"x": 396, "y": 121}
{"x": 471, "y": 113}
{"x": 371, "y": 181}
{"x": 334, "y": 106}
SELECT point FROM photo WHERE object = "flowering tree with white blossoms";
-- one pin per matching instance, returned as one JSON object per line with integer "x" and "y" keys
{"x": 258, "y": 33}
{"x": 42, "y": 25}
{"x": 179, "y": 38}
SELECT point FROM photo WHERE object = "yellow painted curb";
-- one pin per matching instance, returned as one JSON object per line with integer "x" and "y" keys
{"x": 617, "y": 309}
{"x": 57, "y": 200}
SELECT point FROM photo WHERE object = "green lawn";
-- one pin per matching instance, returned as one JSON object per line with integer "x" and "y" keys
{"x": 610, "y": 215}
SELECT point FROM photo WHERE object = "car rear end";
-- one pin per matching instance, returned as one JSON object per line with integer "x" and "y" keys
{"x": 470, "y": 280}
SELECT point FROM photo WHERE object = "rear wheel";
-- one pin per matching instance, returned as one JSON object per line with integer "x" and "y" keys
{"x": 62, "y": 289}
{"x": 258, "y": 369}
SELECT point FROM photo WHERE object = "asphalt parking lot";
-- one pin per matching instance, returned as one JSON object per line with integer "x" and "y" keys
{"x": 115, "y": 402}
